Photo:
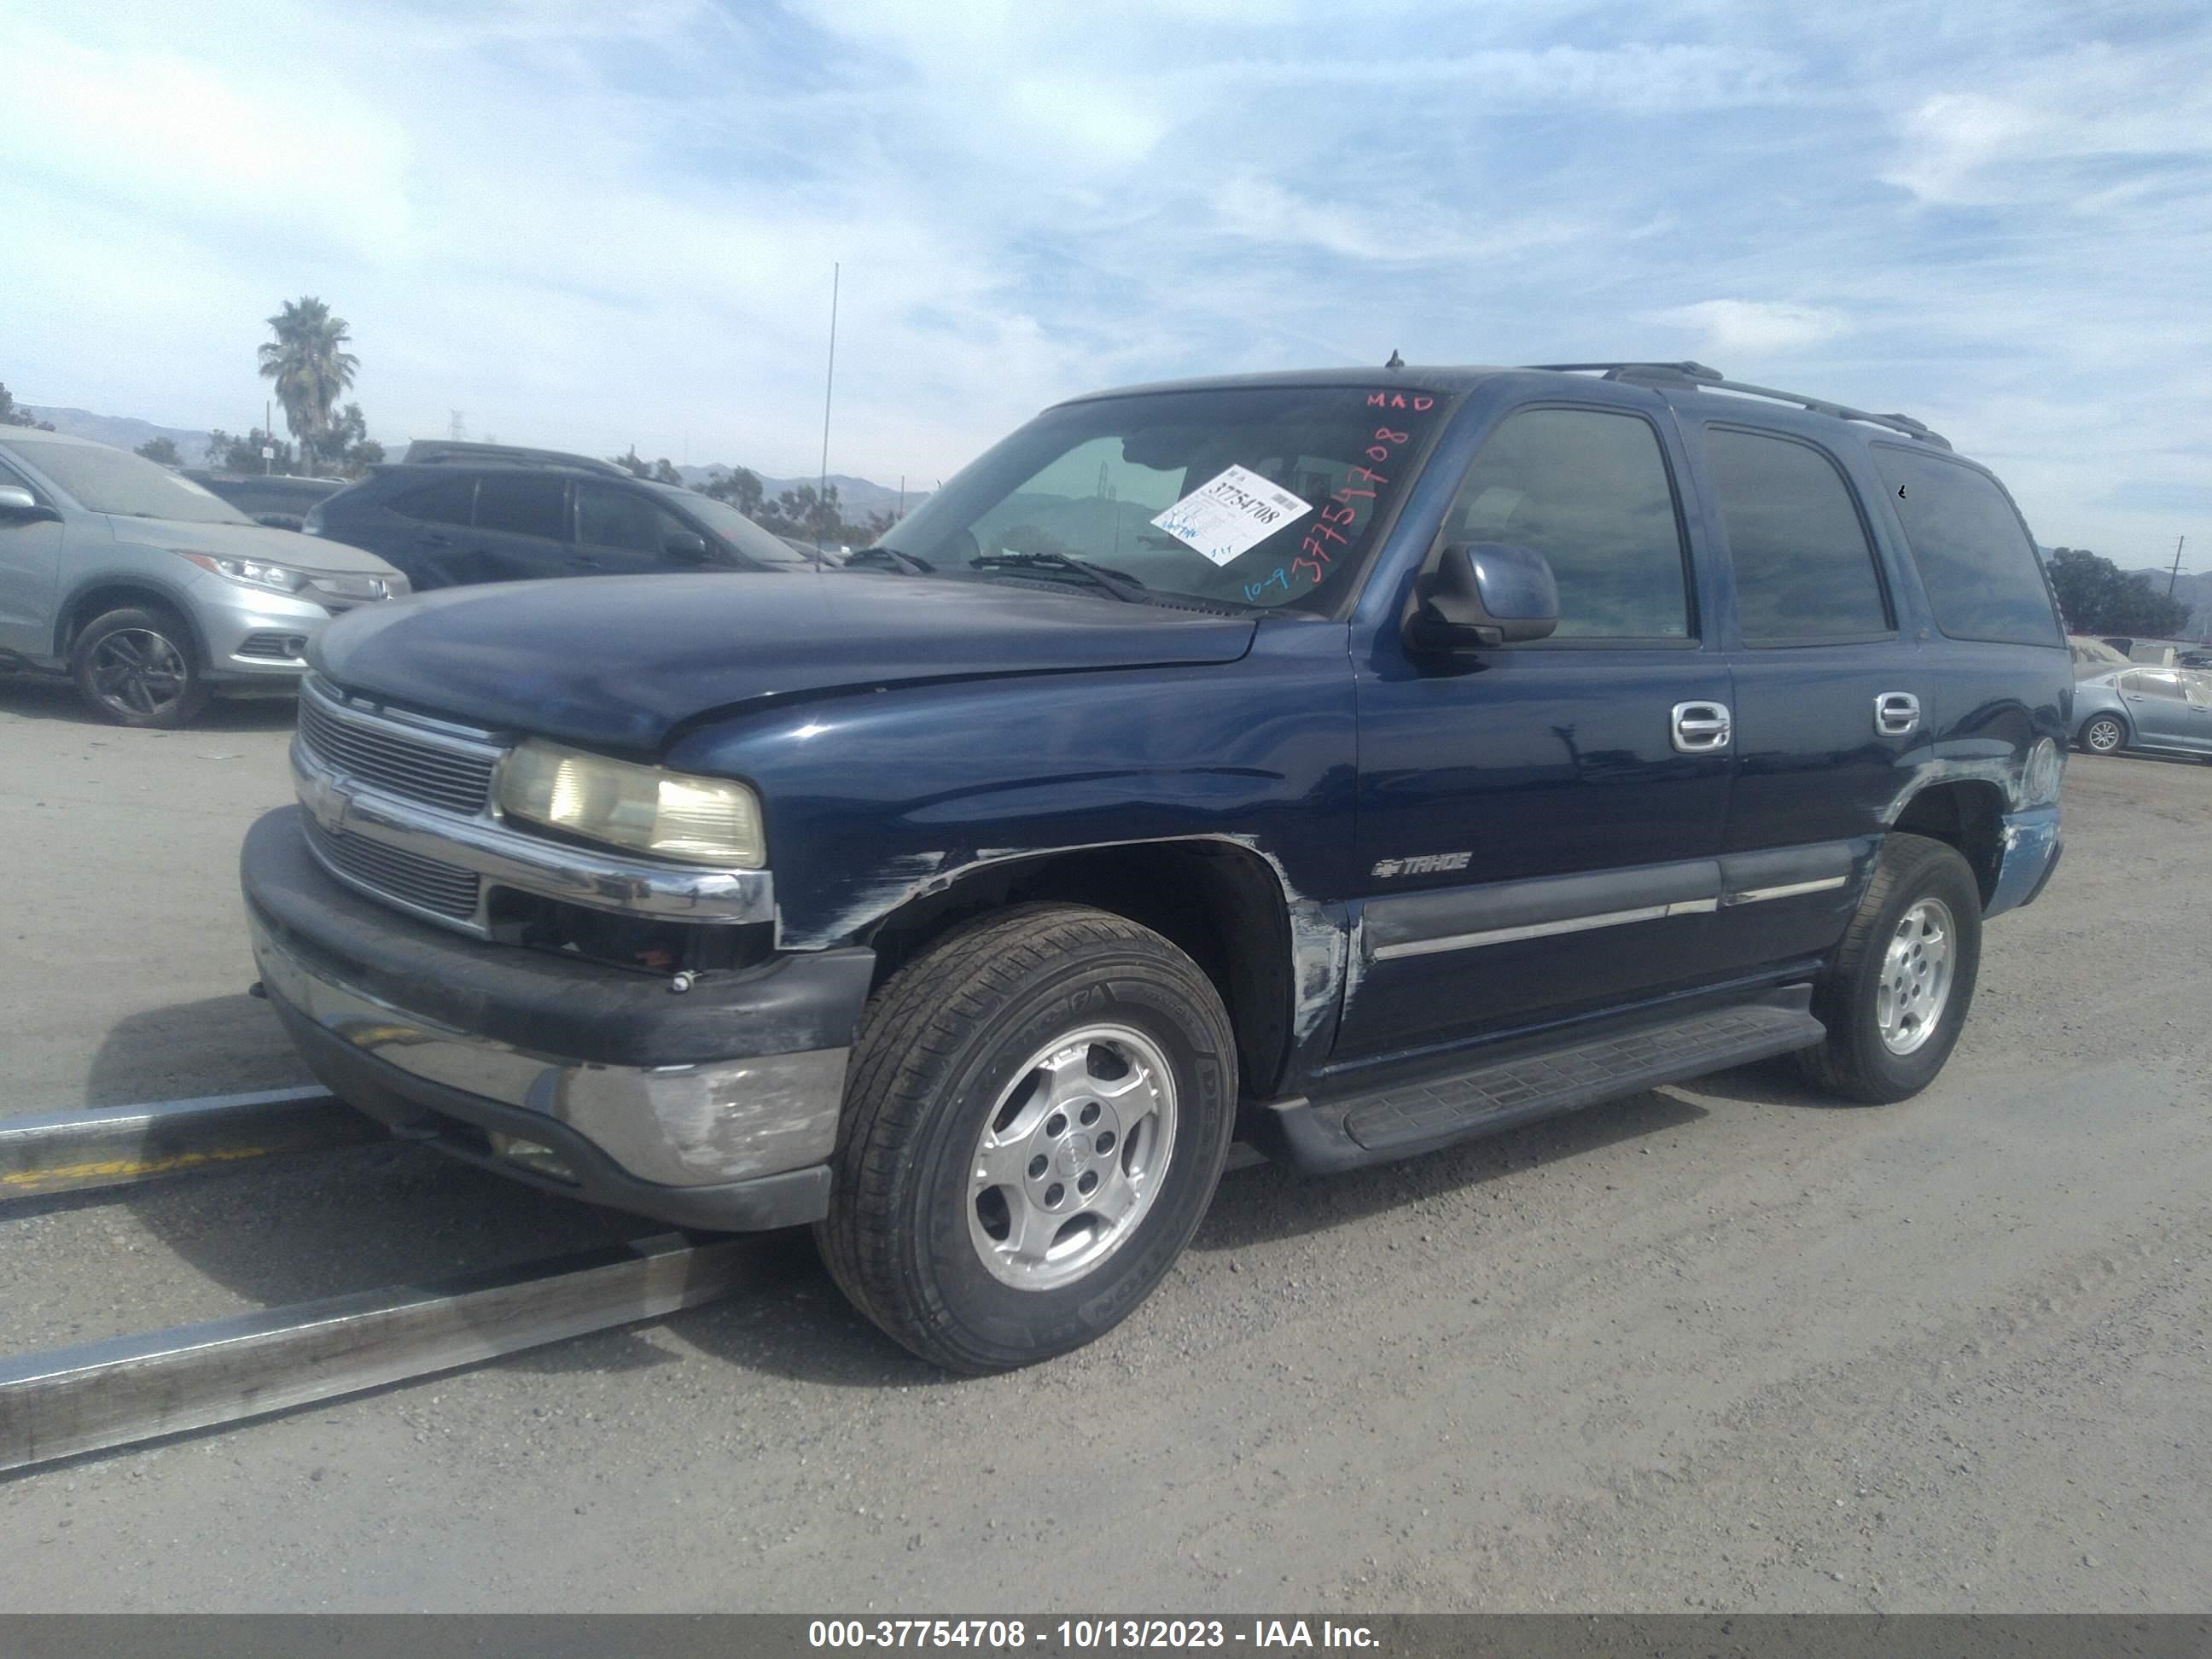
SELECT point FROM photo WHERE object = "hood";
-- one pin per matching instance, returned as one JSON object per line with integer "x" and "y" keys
{"x": 251, "y": 541}
{"x": 617, "y": 661}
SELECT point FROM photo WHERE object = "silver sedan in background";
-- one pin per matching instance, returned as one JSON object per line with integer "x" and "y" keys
{"x": 2167, "y": 710}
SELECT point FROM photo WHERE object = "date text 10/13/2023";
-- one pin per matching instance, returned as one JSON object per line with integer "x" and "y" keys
{"x": 1086, "y": 1635}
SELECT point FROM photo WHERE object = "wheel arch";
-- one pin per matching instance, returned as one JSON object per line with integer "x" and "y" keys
{"x": 1968, "y": 814}
{"x": 100, "y": 595}
{"x": 1219, "y": 901}
{"x": 2127, "y": 726}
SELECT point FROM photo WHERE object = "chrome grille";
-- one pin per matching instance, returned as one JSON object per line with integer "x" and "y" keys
{"x": 386, "y": 755}
{"x": 444, "y": 890}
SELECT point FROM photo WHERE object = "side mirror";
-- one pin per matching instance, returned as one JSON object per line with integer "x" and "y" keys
{"x": 18, "y": 504}
{"x": 686, "y": 547}
{"x": 1483, "y": 593}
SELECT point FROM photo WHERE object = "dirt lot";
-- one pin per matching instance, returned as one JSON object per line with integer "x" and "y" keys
{"x": 1724, "y": 1347}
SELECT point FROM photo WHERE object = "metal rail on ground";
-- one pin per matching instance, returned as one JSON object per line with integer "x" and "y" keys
{"x": 72, "y": 1152}
{"x": 130, "y": 1388}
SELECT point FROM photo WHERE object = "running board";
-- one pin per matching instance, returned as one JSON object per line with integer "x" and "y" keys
{"x": 1405, "y": 1118}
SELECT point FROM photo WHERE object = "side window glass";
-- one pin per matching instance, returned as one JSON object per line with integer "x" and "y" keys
{"x": 1976, "y": 561}
{"x": 2198, "y": 689}
{"x": 2149, "y": 685}
{"x": 449, "y": 501}
{"x": 608, "y": 515}
{"x": 521, "y": 504}
{"x": 1804, "y": 568}
{"x": 1587, "y": 489}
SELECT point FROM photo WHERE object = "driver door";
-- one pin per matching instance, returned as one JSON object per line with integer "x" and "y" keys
{"x": 30, "y": 574}
{"x": 625, "y": 533}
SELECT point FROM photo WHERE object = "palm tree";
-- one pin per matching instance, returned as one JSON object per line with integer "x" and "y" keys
{"x": 307, "y": 366}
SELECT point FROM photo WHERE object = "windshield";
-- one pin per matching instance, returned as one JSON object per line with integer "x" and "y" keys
{"x": 104, "y": 480}
{"x": 1256, "y": 495}
{"x": 742, "y": 533}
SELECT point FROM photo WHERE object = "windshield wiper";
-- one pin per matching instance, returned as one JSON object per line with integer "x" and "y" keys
{"x": 1119, "y": 583}
{"x": 897, "y": 560}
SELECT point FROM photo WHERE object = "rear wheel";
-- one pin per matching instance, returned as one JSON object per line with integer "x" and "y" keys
{"x": 2104, "y": 735}
{"x": 137, "y": 667}
{"x": 1038, "y": 1110}
{"x": 1896, "y": 996}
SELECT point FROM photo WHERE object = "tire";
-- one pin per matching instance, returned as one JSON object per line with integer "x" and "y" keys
{"x": 967, "y": 1062}
{"x": 1862, "y": 1059}
{"x": 2104, "y": 734}
{"x": 138, "y": 666}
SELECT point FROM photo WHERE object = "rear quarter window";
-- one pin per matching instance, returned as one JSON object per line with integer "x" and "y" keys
{"x": 1974, "y": 555}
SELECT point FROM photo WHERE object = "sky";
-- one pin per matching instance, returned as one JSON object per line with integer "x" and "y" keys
{"x": 589, "y": 226}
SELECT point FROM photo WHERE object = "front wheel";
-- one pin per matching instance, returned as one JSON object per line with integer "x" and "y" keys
{"x": 137, "y": 667}
{"x": 2104, "y": 735}
{"x": 1037, "y": 1112}
{"x": 1895, "y": 997}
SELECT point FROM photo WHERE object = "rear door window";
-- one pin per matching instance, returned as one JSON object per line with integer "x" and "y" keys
{"x": 522, "y": 504}
{"x": 1804, "y": 568}
{"x": 449, "y": 501}
{"x": 2152, "y": 683}
{"x": 1587, "y": 489}
{"x": 1975, "y": 556}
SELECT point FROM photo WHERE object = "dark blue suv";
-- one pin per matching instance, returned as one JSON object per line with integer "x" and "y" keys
{"x": 453, "y": 514}
{"x": 1350, "y": 763}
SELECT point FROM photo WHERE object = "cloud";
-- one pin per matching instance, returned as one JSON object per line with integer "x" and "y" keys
{"x": 1753, "y": 327}
{"x": 588, "y": 226}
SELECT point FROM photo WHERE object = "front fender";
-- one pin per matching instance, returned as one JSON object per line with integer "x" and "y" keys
{"x": 875, "y": 799}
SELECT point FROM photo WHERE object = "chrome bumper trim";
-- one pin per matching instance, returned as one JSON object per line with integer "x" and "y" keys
{"x": 675, "y": 1126}
{"x": 344, "y": 804}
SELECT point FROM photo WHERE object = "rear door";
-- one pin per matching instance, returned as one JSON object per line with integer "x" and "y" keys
{"x": 30, "y": 573}
{"x": 2160, "y": 710}
{"x": 1830, "y": 690}
{"x": 521, "y": 530}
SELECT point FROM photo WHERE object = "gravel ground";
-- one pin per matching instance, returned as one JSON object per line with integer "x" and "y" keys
{"x": 1724, "y": 1347}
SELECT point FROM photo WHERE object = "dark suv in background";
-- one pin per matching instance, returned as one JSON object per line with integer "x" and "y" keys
{"x": 452, "y": 514}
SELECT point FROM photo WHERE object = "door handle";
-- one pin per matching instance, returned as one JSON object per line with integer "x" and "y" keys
{"x": 1896, "y": 714}
{"x": 1700, "y": 728}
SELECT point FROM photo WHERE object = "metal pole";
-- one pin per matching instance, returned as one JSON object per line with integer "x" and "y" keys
{"x": 267, "y": 434}
{"x": 822, "y": 485}
{"x": 2176, "y": 575}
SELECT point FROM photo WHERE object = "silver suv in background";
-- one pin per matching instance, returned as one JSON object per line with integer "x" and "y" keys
{"x": 149, "y": 591}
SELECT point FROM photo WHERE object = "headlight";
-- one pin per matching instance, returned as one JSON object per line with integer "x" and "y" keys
{"x": 668, "y": 814}
{"x": 254, "y": 573}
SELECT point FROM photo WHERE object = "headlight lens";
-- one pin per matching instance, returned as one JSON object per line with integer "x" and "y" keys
{"x": 254, "y": 573}
{"x": 2043, "y": 774}
{"x": 669, "y": 815}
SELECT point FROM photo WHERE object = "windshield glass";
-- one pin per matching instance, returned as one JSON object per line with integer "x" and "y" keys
{"x": 741, "y": 532}
{"x": 104, "y": 480}
{"x": 1266, "y": 496}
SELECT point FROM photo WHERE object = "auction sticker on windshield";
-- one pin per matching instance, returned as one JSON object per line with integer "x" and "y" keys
{"x": 1231, "y": 513}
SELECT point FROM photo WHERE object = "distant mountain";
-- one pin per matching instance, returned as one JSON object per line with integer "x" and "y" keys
{"x": 857, "y": 496}
{"x": 124, "y": 431}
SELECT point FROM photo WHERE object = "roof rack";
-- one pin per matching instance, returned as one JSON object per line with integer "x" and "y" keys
{"x": 433, "y": 452}
{"x": 1698, "y": 377}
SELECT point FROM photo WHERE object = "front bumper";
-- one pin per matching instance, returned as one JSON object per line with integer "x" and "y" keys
{"x": 2027, "y": 853}
{"x": 716, "y": 1108}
